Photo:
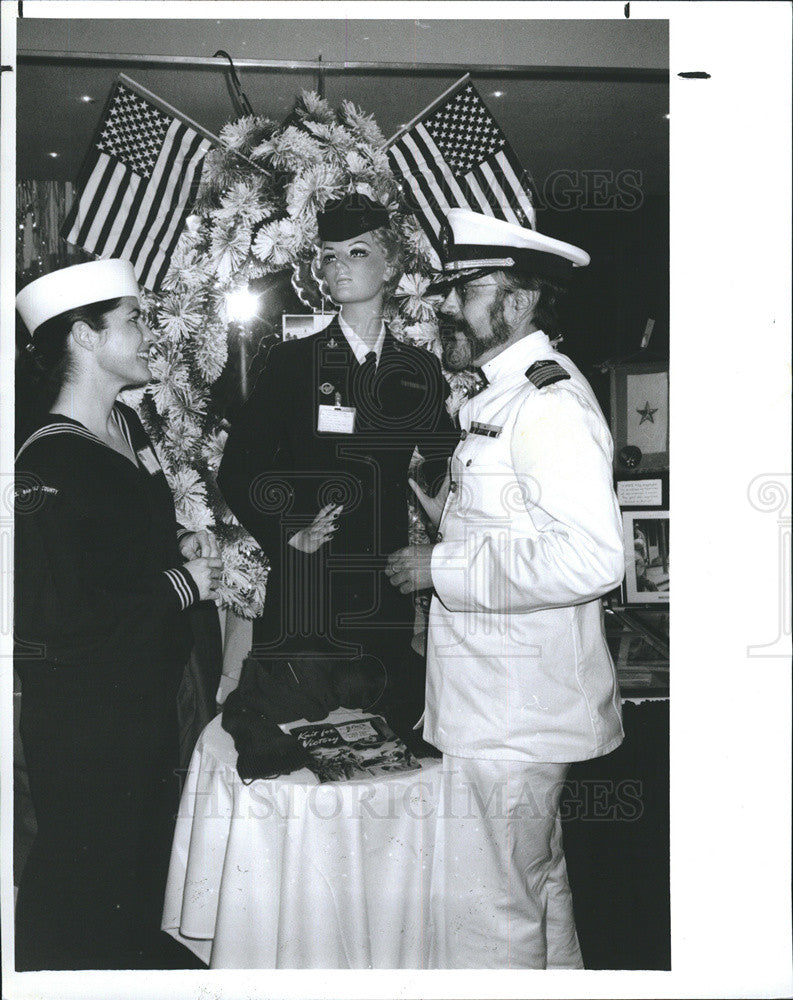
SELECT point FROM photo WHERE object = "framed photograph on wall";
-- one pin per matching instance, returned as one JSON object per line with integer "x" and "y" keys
{"x": 295, "y": 326}
{"x": 646, "y": 538}
{"x": 640, "y": 416}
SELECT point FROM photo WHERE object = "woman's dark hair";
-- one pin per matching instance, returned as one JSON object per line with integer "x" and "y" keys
{"x": 44, "y": 365}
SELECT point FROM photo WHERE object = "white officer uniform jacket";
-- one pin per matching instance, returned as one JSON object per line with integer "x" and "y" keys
{"x": 529, "y": 540}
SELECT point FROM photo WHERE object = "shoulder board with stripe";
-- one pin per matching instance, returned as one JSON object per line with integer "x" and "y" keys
{"x": 543, "y": 373}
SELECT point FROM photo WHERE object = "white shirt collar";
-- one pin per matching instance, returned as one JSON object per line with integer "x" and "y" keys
{"x": 516, "y": 357}
{"x": 359, "y": 349}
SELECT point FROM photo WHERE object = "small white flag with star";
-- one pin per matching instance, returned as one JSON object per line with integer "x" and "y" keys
{"x": 137, "y": 183}
{"x": 648, "y": 411}
{"x": 454, "y": 155}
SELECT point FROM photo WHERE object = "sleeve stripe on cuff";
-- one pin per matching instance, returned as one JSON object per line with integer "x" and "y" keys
{"x": 180, "y": 585}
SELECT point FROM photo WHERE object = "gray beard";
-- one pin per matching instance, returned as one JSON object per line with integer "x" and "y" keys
{"x": 462, "y": 346}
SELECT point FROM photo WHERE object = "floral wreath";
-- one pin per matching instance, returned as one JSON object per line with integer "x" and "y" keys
{"x": 255, "y": 214}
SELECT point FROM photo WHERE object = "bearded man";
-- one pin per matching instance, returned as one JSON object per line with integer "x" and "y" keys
{"x": 520, "y": 682}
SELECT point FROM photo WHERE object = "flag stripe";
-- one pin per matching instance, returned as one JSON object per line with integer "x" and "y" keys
{"x": 478, "y": 194}
{"x": 177, "y": 192}
{"x": 435, "y": 157}
{"x": 68, "y": 231}
{"x": 91, "y": 196}
{"x": 157, "y": 182}
{"x": 129, "y": 218}
{"x": 499, "y": 195}
{"x": 428, "y": 208}
{"x": 518, "y": 191}
{"x": 522, "y": 177}
{"x": 196, "y": 168}
{"x": 404, "y": 162}
{"x": 121, "y": 211}
{"x": 426, "y": 175}
{"x": 191, "y": 151}
{"x": 119, "y": 188}
{"x": 168, "y": 177}
{"x": 420, "y": 186}
{"x": 106, "y": 192}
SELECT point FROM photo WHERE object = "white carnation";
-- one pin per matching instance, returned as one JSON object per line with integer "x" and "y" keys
{"x": 179, "y": 315}
{"x": 231, "y": 245}
{"x": 236, "y": 134}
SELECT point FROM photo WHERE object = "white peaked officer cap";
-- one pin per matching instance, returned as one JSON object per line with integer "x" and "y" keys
{"x": 475, "y": 244}
{"x": 70, "y": 287}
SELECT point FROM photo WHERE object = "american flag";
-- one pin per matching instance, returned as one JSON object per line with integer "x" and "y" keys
{"x": 454, "y": 155}
{"x": 137, "y": 183}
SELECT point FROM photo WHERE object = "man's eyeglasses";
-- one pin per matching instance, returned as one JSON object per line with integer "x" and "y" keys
{"x": 464, "y": 288}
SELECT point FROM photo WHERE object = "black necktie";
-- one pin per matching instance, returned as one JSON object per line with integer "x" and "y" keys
{"x": 481, "y": 381}
{"x": 363, "y": 390}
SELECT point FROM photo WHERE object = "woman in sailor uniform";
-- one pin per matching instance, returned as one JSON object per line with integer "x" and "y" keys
{"x": 101, "y": 638}
{"x": 316, "y": 465}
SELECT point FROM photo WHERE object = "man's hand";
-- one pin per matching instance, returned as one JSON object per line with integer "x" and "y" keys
{"x": 409, "y": 569}
{"x": 198, "y": 545}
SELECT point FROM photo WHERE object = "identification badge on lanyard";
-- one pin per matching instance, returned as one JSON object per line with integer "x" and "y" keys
{"x": 148, "y": 460}
{"x": 336, "y": 419}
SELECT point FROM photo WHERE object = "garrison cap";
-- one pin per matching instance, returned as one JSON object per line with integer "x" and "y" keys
{"x": 474, "y": 244}
{"x": 350, "y": 216}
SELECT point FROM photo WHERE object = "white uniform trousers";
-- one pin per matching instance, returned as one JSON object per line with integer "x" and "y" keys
{"x": 500, "y": 898}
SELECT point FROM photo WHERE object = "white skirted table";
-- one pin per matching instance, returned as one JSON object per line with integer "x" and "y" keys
{"x": 291, "y": 873}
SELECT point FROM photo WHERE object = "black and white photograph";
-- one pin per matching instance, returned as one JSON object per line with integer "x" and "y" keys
{"x": 646, "y": 537}
{"x": 355, "y": 366}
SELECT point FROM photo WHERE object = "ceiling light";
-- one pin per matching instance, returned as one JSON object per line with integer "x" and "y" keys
{"x": 497, "y": 93}
{"x": 87, "y": 99}
{"x": 54, "y": 155}
{"x": 667, "y": 116}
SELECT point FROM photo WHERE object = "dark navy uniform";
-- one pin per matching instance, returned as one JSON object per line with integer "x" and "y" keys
{"x": 279, "y": 469}
{"x": 101, "y": 643}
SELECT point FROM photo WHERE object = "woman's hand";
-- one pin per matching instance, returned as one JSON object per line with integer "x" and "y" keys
{"x": 319, "y": 531}
{"x": 207, "y": 573}
{"x": 433, "y": 506}
{"x": 198, "y": 543}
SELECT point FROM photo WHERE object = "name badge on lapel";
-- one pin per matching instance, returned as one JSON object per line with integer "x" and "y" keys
{"x": 148, "y": 460}
{"x": 336, "y": 419}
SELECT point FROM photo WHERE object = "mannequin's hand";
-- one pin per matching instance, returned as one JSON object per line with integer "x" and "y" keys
{"x": 319, "y": 531}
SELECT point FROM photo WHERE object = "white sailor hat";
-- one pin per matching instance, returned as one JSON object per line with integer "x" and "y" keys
{"x": 474, "y": 244}
{"x": 70, "y": 287}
